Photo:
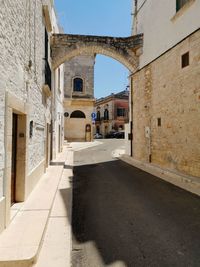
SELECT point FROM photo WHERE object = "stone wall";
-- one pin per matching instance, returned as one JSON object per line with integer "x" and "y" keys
{"x": 22, "y": 65}
{"x": 22, "y": 35}
{"x": 82, "y": 67}
{"x": 125, "y": 50}
{"x": 167, "y": 94}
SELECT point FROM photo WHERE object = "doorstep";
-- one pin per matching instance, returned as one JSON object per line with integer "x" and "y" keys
{"x": 188, "y": 183}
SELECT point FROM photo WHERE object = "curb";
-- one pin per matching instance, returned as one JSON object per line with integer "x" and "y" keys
{"x": 188, "y": 183}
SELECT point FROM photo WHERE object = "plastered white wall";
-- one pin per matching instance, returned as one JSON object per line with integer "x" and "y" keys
{"x": 162, "y": 27}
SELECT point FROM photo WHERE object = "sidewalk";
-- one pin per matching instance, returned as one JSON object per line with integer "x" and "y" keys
{"x": 40, "y": 231}
{"x": 188, "y": 183}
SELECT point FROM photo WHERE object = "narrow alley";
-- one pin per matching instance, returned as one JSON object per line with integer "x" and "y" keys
{"x": 124, "y": 217}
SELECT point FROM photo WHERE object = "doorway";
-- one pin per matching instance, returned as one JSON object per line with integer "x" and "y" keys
{"x": 88, "y": 133}
{"x": 14, "y": 158}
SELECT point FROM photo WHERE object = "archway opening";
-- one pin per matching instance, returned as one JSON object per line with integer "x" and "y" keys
{"x": 77, "y": 114}
{"x": 103, "y": 100}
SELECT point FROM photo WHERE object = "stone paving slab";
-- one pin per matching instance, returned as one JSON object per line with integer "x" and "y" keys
{"x": 56, "y": 244}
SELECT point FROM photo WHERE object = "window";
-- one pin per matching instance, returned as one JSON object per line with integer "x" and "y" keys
{"x": 77, "y": 114}
{"x": 185, "y": 60}
{"x": 106, "y": 114}
{"x": 98, "y": 116}
{"x": 78, "y": 85}
{"x": 159, "y": 122}
{"x": 180, "y": 4}
{"x": 121, "y": 112}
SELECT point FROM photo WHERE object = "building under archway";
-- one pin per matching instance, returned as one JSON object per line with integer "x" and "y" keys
{"x": 79, "y": 98}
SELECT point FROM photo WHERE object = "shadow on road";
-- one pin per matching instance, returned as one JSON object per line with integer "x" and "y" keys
{"x": 134, "y": 217}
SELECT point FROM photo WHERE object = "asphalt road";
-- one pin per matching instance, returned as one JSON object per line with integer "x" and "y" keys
{"x": 123, "y": 216}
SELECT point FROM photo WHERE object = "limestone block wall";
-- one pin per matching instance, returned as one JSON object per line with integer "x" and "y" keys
{"x": 2, "y": 149}
{"x": 22, "y": 35}
{"x": 22, "y": 65}
{"x": 125, "y": 50}
{"x": 166, "y": 110}
{"x": 83, "y": 67}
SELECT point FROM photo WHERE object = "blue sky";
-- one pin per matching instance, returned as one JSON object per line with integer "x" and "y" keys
{"x": 99, "y": 17}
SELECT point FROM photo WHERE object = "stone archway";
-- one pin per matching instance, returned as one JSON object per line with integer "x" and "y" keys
{"x": 125, "y": 50}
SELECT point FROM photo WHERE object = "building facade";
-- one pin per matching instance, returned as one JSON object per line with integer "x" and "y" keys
{"x": 57, "y": 101}
{"x": 112, "y": 113}
{"x": 29, "y": 100}
{"x": 79, "y": 98}
{"x": 165, "y": 90}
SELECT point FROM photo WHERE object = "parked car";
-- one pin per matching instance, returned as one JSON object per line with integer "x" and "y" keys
{"x": 98, "y": 136}
{"x": 119, "y": 135}
{"x": 110, "y": 134}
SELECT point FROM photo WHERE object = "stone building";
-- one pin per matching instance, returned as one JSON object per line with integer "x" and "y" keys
{"x": 57, "y": 101}
{"x": 112, "y": 113}
{"x": 166, "y": 87}
{"x": 30, "y": 99}
{"x": 79, "y": 98}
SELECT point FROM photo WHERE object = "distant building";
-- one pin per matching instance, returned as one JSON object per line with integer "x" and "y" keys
{"x": 112, "y": 112}
{"x": 79, "y": 98}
